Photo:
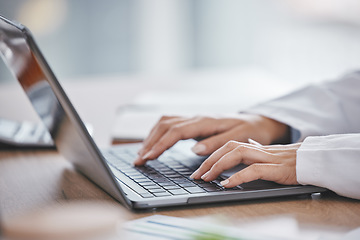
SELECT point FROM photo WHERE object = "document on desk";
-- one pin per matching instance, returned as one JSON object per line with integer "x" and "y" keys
{"x": 164, "y": 227}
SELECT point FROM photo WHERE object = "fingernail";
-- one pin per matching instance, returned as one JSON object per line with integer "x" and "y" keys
{"x": 205, "y": 176}
{"x": 198, "y": 148}
{"x": 225, "y": 182}
{"x": 147, "y": 155}
{"x": 138, "y": 161}
{"x": 193, "y": 175}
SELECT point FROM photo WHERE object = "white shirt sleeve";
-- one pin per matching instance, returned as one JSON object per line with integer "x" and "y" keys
{"x": 332, "y": 107}
{"x": 332, "y": 162}
{"x": 329, "y": 108}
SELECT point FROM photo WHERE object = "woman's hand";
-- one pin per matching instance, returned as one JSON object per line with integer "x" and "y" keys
{"x": 273, "y": 163}
{"x": 215, "y": 132}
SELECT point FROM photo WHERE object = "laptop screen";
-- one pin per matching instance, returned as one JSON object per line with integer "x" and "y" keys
{"x": 21, "y": 61}
{"x": 25, "y": 61}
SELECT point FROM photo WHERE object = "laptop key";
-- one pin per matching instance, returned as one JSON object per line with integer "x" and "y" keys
{"x": 164, "y": 184}
{"x": 182, "y": 181}
{"x": 187, "y": 184}
{"x": 130, "y": 170}
{"x": 127, "y": 181}
{"x": 146, "y": 195}
{"x": 146, "y": 183}
{"x": 195, "y": 190}
{"x": 140, "y": 179}
{"x": 178, "y": 192}
{"x": 186, "y": 173}
{"x": 162, "y": 194}
{"x": 165, "y": 170}
{"x": 217, "y": 182}
{"x": 154, "y": 186}
{"x": 212, "y": 189}
{"x": 157, "y": 190}
{"x": 179, "y": 179}
{"x": 174, "y": 176}
{"x": 163, "y": 181}
{"x": 155, "y": 175}
{"x": 206, "y": 184}
{"x": 171, "y": 187}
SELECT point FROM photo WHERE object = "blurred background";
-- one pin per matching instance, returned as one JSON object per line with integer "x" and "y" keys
{"x": 296, "y": 40}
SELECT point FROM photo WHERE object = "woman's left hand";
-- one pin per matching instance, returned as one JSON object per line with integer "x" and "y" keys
{"x": 273, "y": 163}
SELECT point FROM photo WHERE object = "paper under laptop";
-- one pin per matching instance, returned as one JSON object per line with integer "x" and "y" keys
{"x": 133, "y": 122}
{"x": 108, "y": 168}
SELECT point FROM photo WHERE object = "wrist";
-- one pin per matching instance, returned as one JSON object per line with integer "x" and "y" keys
{"x": 278, "y": 132}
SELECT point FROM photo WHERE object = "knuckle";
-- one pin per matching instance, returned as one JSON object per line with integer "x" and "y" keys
{"x": 256, "y": 169}
{"x": 206, "y": 164}
{"x": 217, "y": 167}
{"x": 197, "y": 118}
{"x": 231, "y": 144}
{"x": 203, "y": 118}
{"x": 166, "y": 117}
{"x": 206, "y": 118}
{"x": 241, "y": 149}
{"x": 163, "y": 118}
{"x": 236, "y": 177}
{"x": 160, "y": 146}
{"x": 164, "y": 125}
{"x": 176, "y": 130}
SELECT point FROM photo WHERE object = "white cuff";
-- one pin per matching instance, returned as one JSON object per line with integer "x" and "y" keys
{"x": 331, "y": 162}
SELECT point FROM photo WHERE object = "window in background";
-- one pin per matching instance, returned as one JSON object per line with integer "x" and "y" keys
{"x": 298, "y": 40}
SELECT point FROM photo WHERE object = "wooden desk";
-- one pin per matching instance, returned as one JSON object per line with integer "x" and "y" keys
{"x": 34, "y": 179}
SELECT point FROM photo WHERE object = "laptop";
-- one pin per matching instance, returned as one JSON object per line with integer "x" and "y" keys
{"x": 163, "y": 182}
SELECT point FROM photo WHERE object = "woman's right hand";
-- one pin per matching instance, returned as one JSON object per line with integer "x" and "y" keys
{"x": 214, "y": 132}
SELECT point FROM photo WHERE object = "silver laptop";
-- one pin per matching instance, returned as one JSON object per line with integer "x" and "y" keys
{"x": 160, "y": 183}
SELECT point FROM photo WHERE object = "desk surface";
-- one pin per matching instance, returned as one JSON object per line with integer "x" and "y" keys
{"x": 34, "y": 179}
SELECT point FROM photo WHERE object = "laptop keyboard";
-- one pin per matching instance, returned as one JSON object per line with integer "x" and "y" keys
{"x": 163, "y": 177}
{"x": 23, "y": 133}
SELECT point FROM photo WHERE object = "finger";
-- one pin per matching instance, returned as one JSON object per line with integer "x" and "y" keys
{"x": 213, "y": 158}
{"x": 165, "y": 120}
{"x": 280, "y": 149}
{"x": 209, "y": 145}
{"x": 246, "y": 154}
{"x": 270, "y": 172}
{"x": 253, "y": 142}
{"x": 208, "y": 125}
{"x": 192, "y": 128}
{"x": 250, "y": 173}
{"x": 281, "y": 146}
{"x": 163, "y": 125}
{"x": 184, "y": 130}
